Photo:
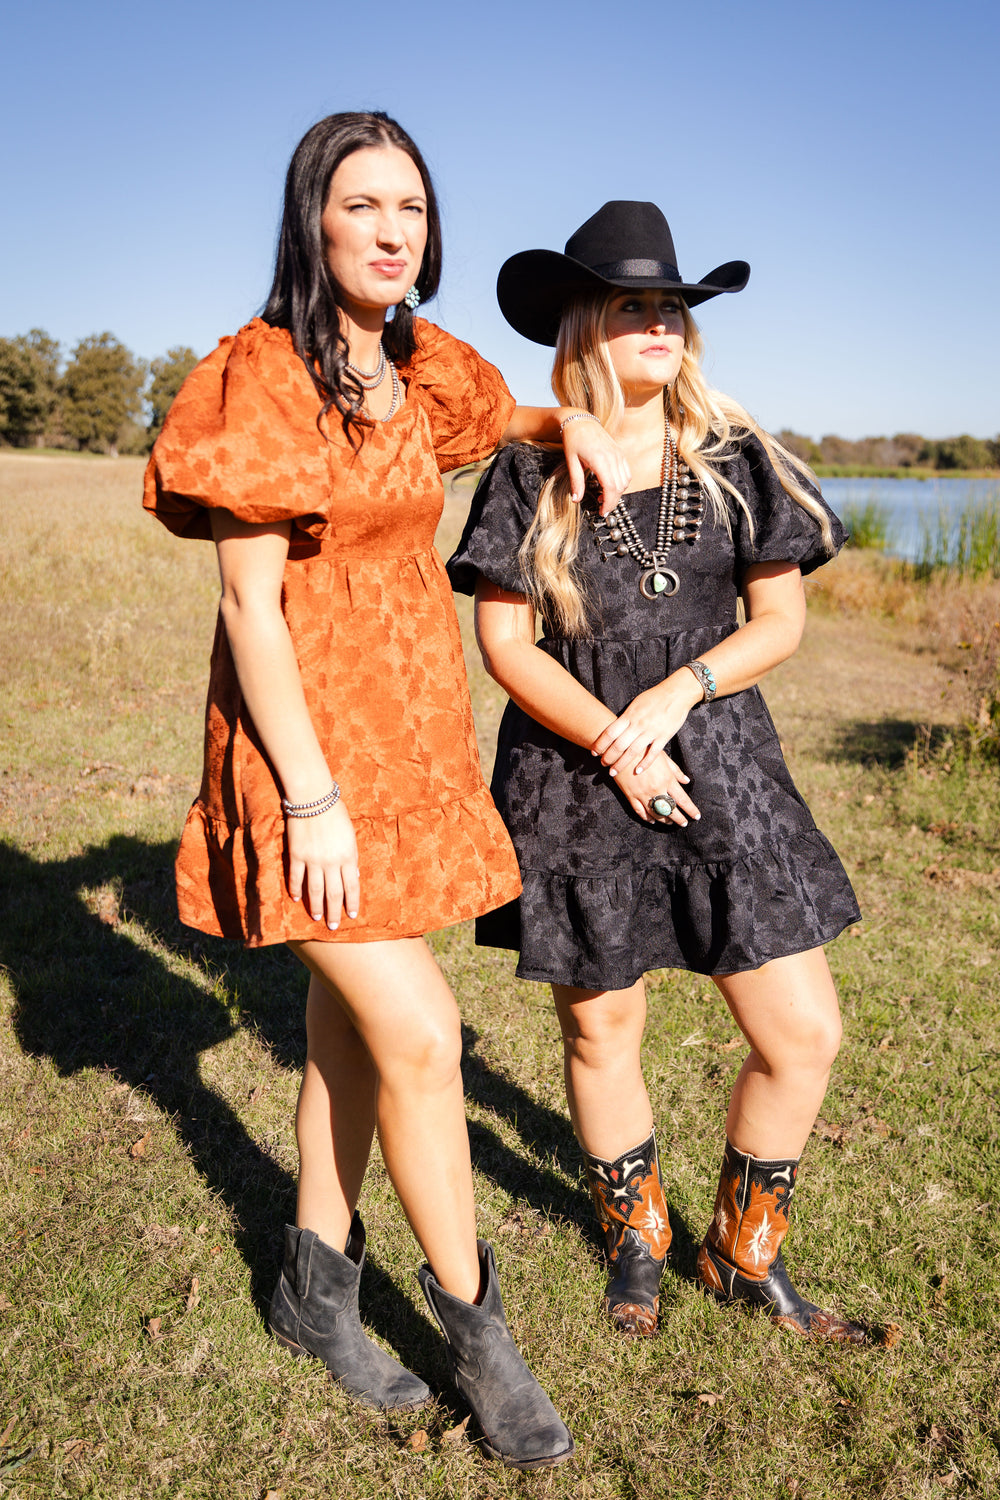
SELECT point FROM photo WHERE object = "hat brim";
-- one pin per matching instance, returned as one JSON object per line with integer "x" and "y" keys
{"x": 534, "y": 287}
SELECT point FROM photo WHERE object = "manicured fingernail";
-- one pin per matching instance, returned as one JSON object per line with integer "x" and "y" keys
{"x": 316, "y": 915}
{"x": 696, "y": 816}
{"x": 352, "y": 913}
{"x": 333, "y": 926}
{"x": 612, "y": 772}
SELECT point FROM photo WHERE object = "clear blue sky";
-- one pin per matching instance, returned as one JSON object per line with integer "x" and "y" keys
{"x": 848, "y": 151}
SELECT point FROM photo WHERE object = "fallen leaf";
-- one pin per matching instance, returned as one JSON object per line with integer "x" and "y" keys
{"x": 418, "y": 1440}
{"x": 948, "y": 1481}
{"x": 254, "y": 1094}
{"x": 737, "y": 1041}
{"x": 6, "y": 1434}
{"x": 954, "y": 875}
{"x": 708, "y": 1398}
{"x": 454, "y": 1434}
{"x": 108, "y": 910}
{"x": 272, "y": 1495}
{"x": 892, "y": 1335}
{"x": 843, "y": 1402}
{"x": 193, "y": 1296}
{"x": 5, "y": 1302}
{"x": 73, "y": 1447}
{"x": 838, "y": 1134}
{"x": 36, "y": 1171}
{"x": 153, "y": 1328}
{"x": 215, "y": 1250}
{"x": 868, "y": 799}
{"x": 139, "y": 1147}
{"x": 163, "y": 1234}
{"x": 201, "y": 1228}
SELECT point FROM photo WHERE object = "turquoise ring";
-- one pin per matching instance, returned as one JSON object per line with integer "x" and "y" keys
{"x": 662, "y": 805}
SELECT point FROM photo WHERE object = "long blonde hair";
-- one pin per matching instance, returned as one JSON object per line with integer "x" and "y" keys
{"x": 703, "y": 420}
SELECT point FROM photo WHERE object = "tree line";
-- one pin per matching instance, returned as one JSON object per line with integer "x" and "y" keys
{"x": 102, "y": 400}
{"x": 906, "y": 450}
{"x": 106, "y": 400}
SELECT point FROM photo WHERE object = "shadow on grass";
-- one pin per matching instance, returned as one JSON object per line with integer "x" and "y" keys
{"x": 87, "y": 995}
{"x": 886, "y": 742}
{"x": 547, "y": 1134}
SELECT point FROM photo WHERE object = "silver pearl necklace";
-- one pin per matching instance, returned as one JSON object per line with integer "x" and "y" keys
{"x": 679, "y": 520}
{"x": 369, "y": 379}
{"x": 394, "y": 403}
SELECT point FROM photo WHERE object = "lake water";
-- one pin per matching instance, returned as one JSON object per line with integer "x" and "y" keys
{"x": 908, "y": 502}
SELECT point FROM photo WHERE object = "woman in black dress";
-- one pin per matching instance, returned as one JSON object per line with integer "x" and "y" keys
{"x": 638, "y": 769}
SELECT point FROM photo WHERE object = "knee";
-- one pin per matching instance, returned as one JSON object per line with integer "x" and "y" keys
{"x": 810, "y": 1043}
{"x": 428, "y": 1057}
{"x": 603, "y": 1027}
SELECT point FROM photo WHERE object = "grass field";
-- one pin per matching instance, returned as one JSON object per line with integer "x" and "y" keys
{"x": 148, "y": 1078}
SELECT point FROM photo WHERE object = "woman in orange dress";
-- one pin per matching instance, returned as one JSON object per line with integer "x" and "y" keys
{"x": 342, "y": 808}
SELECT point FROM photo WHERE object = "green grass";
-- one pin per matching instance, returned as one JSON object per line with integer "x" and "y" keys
{"x": 868, "y": 526}
{"x": 968, "y": 545}
{"x": 903, "y": 471}
{"x": 148, "y": 1078}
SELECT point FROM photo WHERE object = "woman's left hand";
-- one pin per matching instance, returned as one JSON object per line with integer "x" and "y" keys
{"x": 587, "y": 445}
{"x": 633, "y": 740}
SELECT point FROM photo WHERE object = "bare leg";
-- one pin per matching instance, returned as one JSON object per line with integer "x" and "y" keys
{"x": 602, "y": 1036}
{"x": 335, "y": 1119}
{"x": 788, "y": 1012}
{"x": 395, "y": 999}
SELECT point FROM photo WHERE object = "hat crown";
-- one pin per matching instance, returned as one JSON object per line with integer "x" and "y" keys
{"x": 623, "y": 230}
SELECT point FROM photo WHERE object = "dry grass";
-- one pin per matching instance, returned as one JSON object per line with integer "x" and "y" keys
{"x": 954, "y": 620}
{"x": 148, "y": 1077}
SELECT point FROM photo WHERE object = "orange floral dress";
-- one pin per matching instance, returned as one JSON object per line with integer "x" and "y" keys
{"x": 370, "y": 613}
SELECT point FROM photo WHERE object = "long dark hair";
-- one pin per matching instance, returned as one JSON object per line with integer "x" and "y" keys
{"x": 303, "y": 296}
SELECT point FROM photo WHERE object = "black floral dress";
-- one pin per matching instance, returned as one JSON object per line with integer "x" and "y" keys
{"x": 606, "y": 896}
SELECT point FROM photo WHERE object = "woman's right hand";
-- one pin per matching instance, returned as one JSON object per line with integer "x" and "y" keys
{"x": 661, "y": 775}
{"x": 323, "y": 865}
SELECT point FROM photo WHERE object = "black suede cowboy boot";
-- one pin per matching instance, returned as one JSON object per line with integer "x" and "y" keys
{"x": 314, "y": 1310}
{"x": 632, "y": 1211}
{"x": 740, "y": 1258}
{"x": 520, "y": 1425}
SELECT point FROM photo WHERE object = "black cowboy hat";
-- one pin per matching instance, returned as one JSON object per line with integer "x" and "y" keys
{"x": 625, "y": 244}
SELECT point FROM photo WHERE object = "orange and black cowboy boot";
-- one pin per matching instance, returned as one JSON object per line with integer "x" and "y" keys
{"x": 740, "y": 1258}
{"x": 632, "y": 1212}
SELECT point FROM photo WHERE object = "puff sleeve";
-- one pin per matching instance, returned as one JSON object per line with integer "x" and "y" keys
{"x": 467, "y": 403}
{"x": 782, "y": 531}
{"x": 503, "y": 508}
{"x": 242, "y": 436}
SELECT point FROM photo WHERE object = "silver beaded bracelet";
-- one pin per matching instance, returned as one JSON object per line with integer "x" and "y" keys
{"x": 577, "y": 416}
{"x": 705, "y": 676}
{"x": 311, "y": 809}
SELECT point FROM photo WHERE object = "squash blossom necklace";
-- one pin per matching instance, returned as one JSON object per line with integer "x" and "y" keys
{"x": 679, "y": 520}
